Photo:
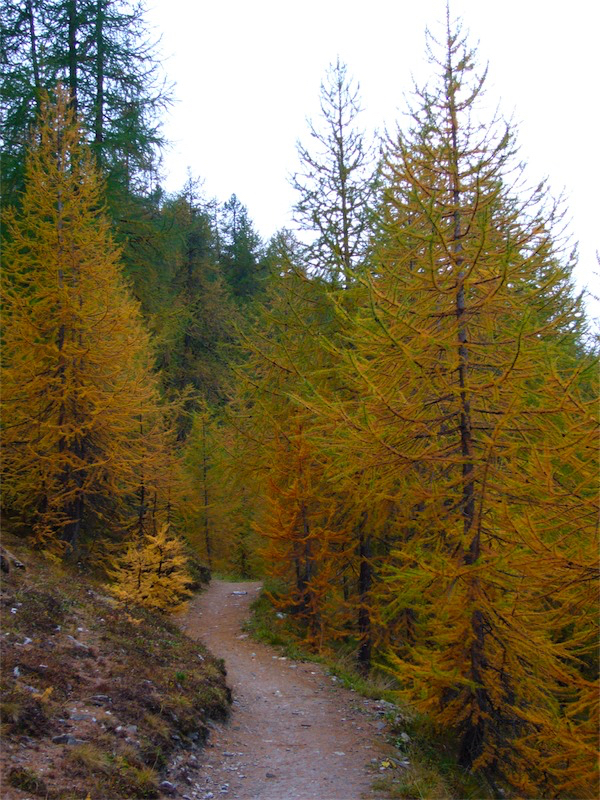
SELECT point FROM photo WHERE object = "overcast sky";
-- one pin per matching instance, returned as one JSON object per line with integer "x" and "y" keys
{"x": 247, "y": 75}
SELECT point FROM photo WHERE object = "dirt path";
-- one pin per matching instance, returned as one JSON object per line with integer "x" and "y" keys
{"x": 293, "y": 734}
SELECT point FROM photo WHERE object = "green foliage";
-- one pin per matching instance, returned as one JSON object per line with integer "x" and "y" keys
{"x": 27, "y": 780}
{"x": 216, "y": 496}
{"x": 125, "y": 774}
{"x": 100, "y": 50}
{"x": 194, "y": 321}
{"x": 240, "y": 251}
{"x": 265, "y": 626}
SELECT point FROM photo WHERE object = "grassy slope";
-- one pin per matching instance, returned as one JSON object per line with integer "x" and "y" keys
{"x": 129, "y": 689}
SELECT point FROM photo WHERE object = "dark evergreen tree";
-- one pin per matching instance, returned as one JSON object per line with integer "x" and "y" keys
{"x": 100, "y": 50}
{"x": 240, "y": 251}
{"x": 193, "y": 314}
{"x": 22, "y": 78}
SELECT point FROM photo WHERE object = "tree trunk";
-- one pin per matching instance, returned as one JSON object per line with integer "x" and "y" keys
{"x": 142, "y": 506}
{"x": 34, "y": 55}
{"x": 99, "y": 110}
{"x": 72, "y": 45}
{"x": 473, "y": 733}
{"x": 365, "y": 581}
{"x": 205, "y": 487}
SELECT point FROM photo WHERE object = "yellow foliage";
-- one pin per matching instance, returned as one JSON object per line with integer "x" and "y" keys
{"x": 441, "y": 441}
{"x": 77, "y": 375}
{"x": 152, "y": 573}
{"x": 44, "y": 696}
{"x": 479, "y": 423}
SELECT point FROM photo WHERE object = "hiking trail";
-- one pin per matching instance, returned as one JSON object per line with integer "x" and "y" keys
{"x": 294, "y": 732}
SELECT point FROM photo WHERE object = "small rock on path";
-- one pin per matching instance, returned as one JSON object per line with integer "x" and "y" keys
{"x": 293, "y": 734}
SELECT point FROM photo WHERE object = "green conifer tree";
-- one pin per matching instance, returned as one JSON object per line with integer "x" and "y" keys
{"x": 100, "y": 50}
{"x": 240, "y": 251}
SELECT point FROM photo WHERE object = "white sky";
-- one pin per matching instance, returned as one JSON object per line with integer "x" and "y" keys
{"x": 247, "y": 74}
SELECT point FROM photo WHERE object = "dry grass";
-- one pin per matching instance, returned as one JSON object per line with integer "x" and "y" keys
{"x": 65, "y": 643}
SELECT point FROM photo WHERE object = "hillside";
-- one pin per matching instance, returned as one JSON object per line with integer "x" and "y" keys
{"x": 96, "y": 699}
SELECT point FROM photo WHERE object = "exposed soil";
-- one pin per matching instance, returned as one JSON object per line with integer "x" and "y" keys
{"x": 294, "y": 734}
{"x": 95, "y": 699}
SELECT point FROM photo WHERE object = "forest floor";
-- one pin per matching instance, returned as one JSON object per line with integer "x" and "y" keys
{"x": 105, "y": 703}
{"x": 96, "y": 701}
{"x": 294, "y": 734}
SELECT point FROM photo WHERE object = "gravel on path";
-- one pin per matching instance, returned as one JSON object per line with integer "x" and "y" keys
{"x": 294, "y": 734}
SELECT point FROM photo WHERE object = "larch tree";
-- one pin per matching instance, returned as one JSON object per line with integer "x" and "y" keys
{"x": 337, "y": 187}
{"x": 207, "y": 506}
{"x": 335, "y": 183}
{"x": 237, "y": 470}
{"x": 298, "y": 517}
{"x": 481, "y": 434}
{"x": 78, "y": 387}
{"x": 153, "y": 573}
{"x": 302, "y": 545}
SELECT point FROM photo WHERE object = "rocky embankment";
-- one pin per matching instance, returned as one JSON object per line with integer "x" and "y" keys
{"x": 97, "y": 700}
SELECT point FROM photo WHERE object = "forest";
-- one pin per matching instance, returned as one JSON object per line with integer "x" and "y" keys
{"x": 389, "y": 412}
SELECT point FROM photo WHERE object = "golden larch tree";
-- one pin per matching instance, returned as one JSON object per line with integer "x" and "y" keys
{"x": 77, "y": 362}
{"x": 478, "y": 426}
{"x": 153, "y": 572}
